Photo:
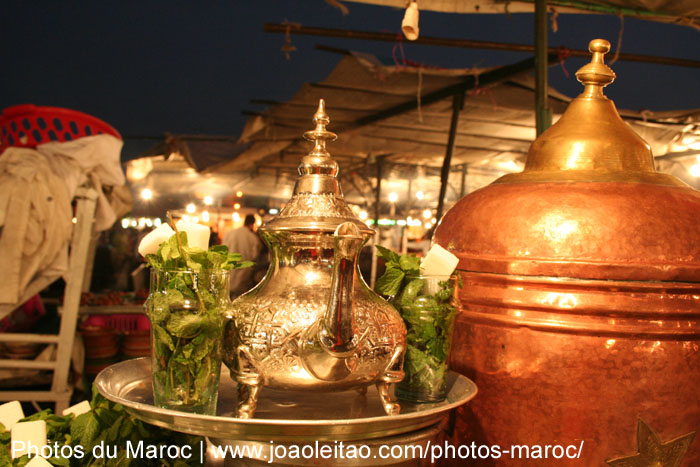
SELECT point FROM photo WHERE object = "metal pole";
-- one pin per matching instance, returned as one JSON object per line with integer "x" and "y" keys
{"x": 378, "y": 194}
{"x": 543, "y": 114}
{"x": 409, "y": 194}
{"x": 457, "y": 105}
{"x": 461, "y": 43}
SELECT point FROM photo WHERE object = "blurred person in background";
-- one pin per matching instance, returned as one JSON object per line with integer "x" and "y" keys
{"x": 214, "y": 238}
{"x": 245, "y": 241}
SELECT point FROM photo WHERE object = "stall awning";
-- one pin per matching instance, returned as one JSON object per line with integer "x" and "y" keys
{"x": 383, "y": 111}
{"x": 686, "y": 12}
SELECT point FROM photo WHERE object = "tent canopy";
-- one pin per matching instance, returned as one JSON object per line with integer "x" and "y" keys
{"x": 686, "y": 12}
{"x": 377, "y": 113}
{"x": 381, "y": 111}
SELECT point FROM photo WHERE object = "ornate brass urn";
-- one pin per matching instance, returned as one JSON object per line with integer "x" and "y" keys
{"x": 312, "y": 323}
{"x": 580, "y": 315}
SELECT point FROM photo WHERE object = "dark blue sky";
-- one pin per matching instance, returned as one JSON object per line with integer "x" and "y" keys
{"x": 147, "y": 67}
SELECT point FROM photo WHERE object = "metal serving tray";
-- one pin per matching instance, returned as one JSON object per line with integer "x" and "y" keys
{"x": 281, "y": 415}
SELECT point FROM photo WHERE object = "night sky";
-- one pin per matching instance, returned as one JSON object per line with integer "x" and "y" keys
{"x": 148, "y": 67}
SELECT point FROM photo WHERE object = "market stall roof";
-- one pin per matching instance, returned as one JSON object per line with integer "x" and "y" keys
{"x": 686, "y": 12}
{"x": 375, "y": 110}
{"x": 203, "y": 153}
{"x": 402, "y": 115}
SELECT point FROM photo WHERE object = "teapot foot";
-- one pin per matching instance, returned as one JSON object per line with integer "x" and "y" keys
{"x": 247, "y": 400}
{"x": 389, "y": 404}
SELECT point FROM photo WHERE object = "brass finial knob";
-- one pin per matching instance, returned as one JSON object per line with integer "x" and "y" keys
{"x": 319, "y": 161}
{"x": 321, "y": 119}
{"x": 596, "y": 75}
{"x": 599, "y": 46}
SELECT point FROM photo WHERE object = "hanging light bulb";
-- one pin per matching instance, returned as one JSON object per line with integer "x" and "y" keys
{"x": 393, "y": 197}
{"x": 146, "y": 194}
{"x": 208, "y": 200}
{"x": 420, "y": 195}
{"x": 191, "y": 208}
{"x": 409, "y": 25}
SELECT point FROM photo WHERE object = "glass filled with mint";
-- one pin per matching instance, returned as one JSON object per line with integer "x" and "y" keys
{"x": 427, "y": 307}
{"x": 187, "y": 303}
{"x": 427, "y": 304}
{"x": 186, "y": 313}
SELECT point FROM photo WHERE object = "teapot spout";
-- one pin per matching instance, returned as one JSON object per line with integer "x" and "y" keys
{"x": 337, "y": 332}
{"x": 329, "y": 346}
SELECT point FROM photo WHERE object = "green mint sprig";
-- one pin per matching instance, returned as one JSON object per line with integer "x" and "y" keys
{"x": 187, "y": 342}
{"x": 108, "y": 423}
{"x": 176, "y": 254}
{"x": 428, "y": 317}
{"x": 397, "y": 268}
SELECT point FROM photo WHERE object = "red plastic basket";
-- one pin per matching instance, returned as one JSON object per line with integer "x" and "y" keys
{"x": 27, "y": 126}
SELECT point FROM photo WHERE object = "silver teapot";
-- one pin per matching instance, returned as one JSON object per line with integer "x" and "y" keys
{"x": 313, "y": 323}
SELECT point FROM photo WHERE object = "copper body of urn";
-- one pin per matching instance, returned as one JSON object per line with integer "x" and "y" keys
{"x": 580, "y": 318}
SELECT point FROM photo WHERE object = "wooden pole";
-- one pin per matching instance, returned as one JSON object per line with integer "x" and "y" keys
{"x": 466, "y": 44}
{"x": 457, "y": 105}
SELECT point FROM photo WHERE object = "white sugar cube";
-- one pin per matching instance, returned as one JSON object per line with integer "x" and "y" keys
{"x": 438, "y": 262}
{"x": 150, "y": 243}
{"x": 10, "y": 414}
{"x": 78, "y": 409}
{"x": 38, "y": 461}
{"x": 28, "y": 436}
{"x": 197, "y": 234}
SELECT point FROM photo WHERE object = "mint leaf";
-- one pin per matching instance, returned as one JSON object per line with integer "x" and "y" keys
{"x": 163, "y": 337}
{"x": 154, "y": 261}
{"x": 184, "y": 324}
{"x": 390, "y": 282}
{"x": 411, "y": 291}
{"x": 410, "y": 264}
{"x": 397, "y": 268}
{"x": 387, "y": 254}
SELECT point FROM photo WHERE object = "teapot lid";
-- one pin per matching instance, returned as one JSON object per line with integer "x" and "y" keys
{"x": 317, "y": 204}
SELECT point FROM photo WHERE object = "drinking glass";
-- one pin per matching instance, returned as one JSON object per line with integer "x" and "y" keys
{"x": 428, "y": 307}
{"x": 186, "y": 310}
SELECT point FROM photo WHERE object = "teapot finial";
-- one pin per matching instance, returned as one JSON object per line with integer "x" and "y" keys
{"x": 319, "y": 160}
{"x": 596, "y": 74}
{"x": 317, "y": 203}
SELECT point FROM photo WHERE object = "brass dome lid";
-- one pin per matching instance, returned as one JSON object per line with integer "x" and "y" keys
{"x": 590, "y": 142}
{"x": 589, "y": 203}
